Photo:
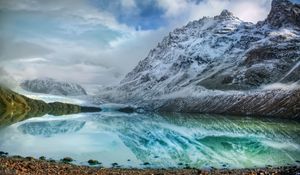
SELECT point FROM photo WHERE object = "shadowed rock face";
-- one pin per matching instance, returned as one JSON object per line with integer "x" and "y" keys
{"x": 284, "y": 13}
{"x": 15, "y": 107}
{"x": 269, "y": 103}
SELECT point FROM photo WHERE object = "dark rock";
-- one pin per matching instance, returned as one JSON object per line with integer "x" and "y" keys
{"x": 146, "y": 163}
{"x": 187, "y": 167}
{"x": 284, "y": 13}
{"x": 17, "y": 157}
{"x": 42, "y": 158}
{"x": 2, "y": 153}
{"x": 29, "y": 158}
{"x": 127, "y": 109}
{"x": 51, "y": 160}
{"x": 114, "y": 164}
{"x": 93, "y": 162}
{"x": 67, "y": 160}
{"x": 90, "y": 109}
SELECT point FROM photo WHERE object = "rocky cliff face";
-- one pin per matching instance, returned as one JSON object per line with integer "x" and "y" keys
{"x": 284, "y": 13}
{"x": 222, "y": 53}
{"x": 51, "y": 86}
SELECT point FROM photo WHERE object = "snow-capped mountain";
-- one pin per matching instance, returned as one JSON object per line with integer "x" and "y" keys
{"x": 223, "y": 52}
{"x": 51, "y": 86}
{"x": 217, "y": 55}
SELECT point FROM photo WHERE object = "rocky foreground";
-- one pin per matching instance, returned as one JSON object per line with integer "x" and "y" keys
{"x": 24, "y": 166}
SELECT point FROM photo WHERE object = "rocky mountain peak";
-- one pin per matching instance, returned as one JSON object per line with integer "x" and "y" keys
{"x": 225, "y": 15}
{"x": 220, "y": 53}
{"x": 284, "y": 14}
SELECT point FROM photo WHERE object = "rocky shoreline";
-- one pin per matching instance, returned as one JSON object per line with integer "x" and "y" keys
{"x": 29, "y": 165}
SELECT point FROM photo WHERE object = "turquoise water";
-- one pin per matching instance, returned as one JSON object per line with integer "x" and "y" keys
{"x": 162, "y": 140}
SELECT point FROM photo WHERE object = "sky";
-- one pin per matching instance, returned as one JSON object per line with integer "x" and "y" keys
{"x": 96, "y": 42}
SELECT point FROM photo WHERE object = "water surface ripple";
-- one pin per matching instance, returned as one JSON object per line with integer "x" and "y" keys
{"x": 162, "y": 140}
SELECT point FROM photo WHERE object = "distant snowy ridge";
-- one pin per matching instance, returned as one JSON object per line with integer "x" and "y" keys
{"x": 51, "y": 86}
{"x": 221, "y": 56}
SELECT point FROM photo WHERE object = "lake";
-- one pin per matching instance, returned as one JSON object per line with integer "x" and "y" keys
{"x": 157, "y": 140}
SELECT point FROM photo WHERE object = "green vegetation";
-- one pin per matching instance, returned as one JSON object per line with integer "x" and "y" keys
{"x": 15, "y": 107}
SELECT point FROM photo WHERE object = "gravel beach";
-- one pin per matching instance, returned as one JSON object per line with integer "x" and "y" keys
{"x": 30, "y": 166}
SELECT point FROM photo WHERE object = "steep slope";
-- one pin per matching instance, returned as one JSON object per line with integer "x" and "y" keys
{"x": 222, "y": 53}
{"x": 51, "y": 86}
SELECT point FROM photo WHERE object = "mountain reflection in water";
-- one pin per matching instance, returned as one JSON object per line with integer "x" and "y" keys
{"x": 162, "y": 140}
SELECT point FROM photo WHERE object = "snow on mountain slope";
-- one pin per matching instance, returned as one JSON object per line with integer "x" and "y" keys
{"x": 51, "y": 86}
{"x": 220, "y": 55}
{"x": 222, "y": 52}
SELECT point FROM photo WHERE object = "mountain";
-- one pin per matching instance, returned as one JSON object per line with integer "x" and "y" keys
{"x": 51, "y": 86}
{"x": 223, "y": 52}
{"x": 223, "y": 62}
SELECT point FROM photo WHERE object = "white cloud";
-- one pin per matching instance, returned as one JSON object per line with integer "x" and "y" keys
{"x": 14, "y": 49}
{"x": 250, "y": 11}
{"x": 86, "y": 63}
{"x": 128, "y": 4}
{"x": 6, "y": 80}
{"x": 174, "y": 7}
{"x": 79, "y": 10}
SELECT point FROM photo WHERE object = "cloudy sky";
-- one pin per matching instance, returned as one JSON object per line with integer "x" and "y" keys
{"x": 97, "y": 41}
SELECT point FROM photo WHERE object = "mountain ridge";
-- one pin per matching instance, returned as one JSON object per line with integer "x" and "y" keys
{"x": 221, "y": 59}
{"x": 54, "y": 87}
